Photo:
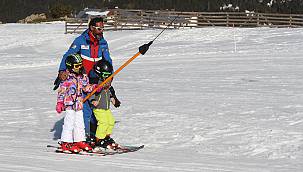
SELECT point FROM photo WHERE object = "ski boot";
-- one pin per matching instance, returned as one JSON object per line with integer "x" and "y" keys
{"x": 111, "y": 144}
{"x": 91, "y": 140}
{"x": 100, "y": 146}
{"x": 84, "y": 146}
{"x": 69, "y": 148}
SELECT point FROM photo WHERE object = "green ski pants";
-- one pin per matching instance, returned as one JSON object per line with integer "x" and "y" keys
{"x": 106, "y": 122}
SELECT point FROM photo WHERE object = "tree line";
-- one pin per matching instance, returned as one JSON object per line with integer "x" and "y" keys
{"x": 14, "y": 10}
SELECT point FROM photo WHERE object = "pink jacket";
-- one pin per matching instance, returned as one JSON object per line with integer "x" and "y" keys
{"x": 70, "y": 91}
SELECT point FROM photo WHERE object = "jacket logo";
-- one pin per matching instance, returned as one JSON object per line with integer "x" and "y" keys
{"x": 85, "y": 47}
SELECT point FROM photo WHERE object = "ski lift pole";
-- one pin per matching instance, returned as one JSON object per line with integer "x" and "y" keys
{"x": 142, "y": 50}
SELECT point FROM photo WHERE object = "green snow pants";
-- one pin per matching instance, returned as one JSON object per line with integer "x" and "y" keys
{"x": 106, "y": 122}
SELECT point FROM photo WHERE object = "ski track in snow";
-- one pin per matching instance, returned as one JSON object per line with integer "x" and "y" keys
{"x": 210, "y": 99}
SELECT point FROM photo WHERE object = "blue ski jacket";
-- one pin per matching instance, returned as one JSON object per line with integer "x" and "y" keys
{"x": 81, "y": 45}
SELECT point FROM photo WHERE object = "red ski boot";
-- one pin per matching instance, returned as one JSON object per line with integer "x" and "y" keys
{"x": 69, "y": 148}
{"x": 84, "y": 146}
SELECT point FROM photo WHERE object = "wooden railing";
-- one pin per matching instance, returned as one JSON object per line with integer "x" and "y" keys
{"x": 141, "y": 19}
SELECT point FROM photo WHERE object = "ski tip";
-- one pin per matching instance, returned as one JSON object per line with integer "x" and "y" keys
{"x": 135, "y": 148}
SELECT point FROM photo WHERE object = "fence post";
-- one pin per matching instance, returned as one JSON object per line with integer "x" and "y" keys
{"x": 65, "y": 27}
{"x": 227, "y": 19}
{"x": 115, "y": 20}
{"x": 290, "y": 20}
{"x": 141, "y": 19}
{"x": 197, "y": 20}
{"x": 258, "y": 19}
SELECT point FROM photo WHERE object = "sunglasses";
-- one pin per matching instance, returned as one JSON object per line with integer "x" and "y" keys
{"x": 105, "y": 75}
{"x": 99, "y": 28}
{"x": 77, "y": 66}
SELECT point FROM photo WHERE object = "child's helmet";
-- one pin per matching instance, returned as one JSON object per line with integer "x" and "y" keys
{"x": 74, "y": 63}
{"x": 103, "y": 69}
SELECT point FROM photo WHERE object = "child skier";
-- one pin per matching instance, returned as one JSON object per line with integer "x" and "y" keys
{"x": 70, "y": 96}
{"x": 101, "y": 104}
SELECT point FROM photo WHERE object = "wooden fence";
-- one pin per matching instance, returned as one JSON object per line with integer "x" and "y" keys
{"x": 120, "y": 19}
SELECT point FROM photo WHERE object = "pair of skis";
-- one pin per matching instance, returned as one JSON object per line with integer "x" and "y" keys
{"x": 101, "y": 152}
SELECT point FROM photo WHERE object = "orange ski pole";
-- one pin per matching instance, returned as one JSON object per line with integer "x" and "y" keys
{"x": 142, "y": 50}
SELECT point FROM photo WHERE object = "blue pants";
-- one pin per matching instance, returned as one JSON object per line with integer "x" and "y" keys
{"x": 88, "y": 117}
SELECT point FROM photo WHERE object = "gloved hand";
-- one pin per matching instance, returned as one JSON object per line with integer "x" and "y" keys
{"x": 59, "y": 107}
{"x": 117, "y": 102}
{"x": 57, "y": 83}
{"x": 63, "y": 75}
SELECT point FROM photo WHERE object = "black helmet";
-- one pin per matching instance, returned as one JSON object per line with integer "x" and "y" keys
{"x": 103, "y": 69}
{"x": 74, "y": 63}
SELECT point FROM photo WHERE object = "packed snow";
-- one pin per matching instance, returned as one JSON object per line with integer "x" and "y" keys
{"x": 208, "y": 99}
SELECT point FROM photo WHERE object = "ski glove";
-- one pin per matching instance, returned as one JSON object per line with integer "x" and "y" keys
{"x": 59, "y": 107}
{"x": 57, "y": 83}
{"x": 63, "y": 75}
{"x": 117, "y": 102}
{"x": 113, "y": 95}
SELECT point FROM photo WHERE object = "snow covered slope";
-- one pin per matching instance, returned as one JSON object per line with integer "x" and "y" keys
{"x": 210, "y": 99}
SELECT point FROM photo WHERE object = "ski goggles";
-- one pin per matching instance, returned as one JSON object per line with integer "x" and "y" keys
{"x": 99, "y": 28}
{"x": 78, "y": 66}
{"x": 105, "y": 75}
